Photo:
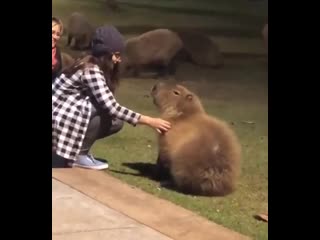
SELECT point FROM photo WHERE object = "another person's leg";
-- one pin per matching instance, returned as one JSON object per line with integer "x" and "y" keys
{"x": 100, "y": 126}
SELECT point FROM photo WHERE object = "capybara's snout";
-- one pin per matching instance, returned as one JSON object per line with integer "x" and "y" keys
{"x": 155, "y": 88}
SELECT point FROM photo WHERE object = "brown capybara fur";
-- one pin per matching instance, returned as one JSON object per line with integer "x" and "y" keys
{"x": 67, "y": 60}
{"x": 200, "y": 153}
{"x": 80, "y": 32}
{"x": 152, "y": 48}
{"x": 201, "y": 49}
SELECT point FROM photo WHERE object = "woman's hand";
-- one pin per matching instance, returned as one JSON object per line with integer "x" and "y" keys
{"x": 157, "y": 123}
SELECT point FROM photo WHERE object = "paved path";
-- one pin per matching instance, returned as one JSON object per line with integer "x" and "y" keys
{"x": 94, "y": 205}
{"x": 77, "y": 216}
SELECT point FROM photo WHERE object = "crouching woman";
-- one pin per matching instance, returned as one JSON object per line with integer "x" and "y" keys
{"x": 84, "y": 108}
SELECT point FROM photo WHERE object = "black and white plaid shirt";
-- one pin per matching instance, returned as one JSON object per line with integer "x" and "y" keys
{"x": 71, "y": 109}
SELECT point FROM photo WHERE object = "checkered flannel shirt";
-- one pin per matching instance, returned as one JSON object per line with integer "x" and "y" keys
{"x": 71, "y": 109}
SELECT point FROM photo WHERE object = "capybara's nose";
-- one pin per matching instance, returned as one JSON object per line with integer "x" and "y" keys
{"x": 154, "y": 88}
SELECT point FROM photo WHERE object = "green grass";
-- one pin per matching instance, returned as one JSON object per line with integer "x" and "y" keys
{"x": 234, "y": 25}
{"x": 233, "y": 18}
{"x": 236, "y": 93}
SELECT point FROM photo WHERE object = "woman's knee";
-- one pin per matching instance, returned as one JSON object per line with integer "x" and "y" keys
{"x": 116, "y": 126}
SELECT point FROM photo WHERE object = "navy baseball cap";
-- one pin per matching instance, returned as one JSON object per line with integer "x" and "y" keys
{"x": 106, "y": 40}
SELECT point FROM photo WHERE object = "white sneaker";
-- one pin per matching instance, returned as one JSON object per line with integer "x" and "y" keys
{"x": 88, "y": 161}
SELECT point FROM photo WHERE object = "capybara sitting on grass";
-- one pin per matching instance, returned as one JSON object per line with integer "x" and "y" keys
{"x": 200, "y": 153}
{"x": 201, "y": 49}
{"x": 80, "y": 30}
{"x": 155, "y": 48}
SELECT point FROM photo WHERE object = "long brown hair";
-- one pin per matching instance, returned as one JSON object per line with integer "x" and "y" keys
{"x": 109, "y": 69}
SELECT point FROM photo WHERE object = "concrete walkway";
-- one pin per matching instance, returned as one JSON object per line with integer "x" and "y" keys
{"x": 77, "y": 216}
{"x": 89, "y": 204}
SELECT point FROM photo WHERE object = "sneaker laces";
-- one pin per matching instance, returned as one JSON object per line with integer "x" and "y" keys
{"x": 95, "y": 160}
{"x": 90, "y": 156}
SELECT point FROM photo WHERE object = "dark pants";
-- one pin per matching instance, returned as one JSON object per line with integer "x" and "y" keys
{"x": 100, "y": 126}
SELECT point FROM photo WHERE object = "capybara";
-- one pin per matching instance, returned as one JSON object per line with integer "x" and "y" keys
{"x": 201, "y": 49}
{"x": 80, "y": 30}
{"x": 200, "y": 153}
{"x": 155, "y": 48}
{"x": 67, "y": 60}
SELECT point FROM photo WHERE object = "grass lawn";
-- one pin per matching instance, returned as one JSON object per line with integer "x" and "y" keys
{"x": 237, "y": 93}
{"x": 232, "y": 17}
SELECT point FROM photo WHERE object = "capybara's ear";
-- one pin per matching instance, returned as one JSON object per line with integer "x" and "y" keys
{"x": 189, "y": 97}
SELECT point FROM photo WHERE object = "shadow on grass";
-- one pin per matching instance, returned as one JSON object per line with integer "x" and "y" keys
{"x": 147, "y": 170}
{"x": 143, "y": 169}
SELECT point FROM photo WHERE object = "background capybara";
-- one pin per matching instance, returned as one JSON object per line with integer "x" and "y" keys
{"x": 154, "y": 48}
{"x": 67, "y": 60}
{"x": 201, "y": 49}
{"x": 79, "y": 31}
{"x": 201, "y": 153}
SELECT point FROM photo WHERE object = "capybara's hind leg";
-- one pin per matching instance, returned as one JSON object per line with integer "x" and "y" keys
{"x": 69, "y": 40}
{"x": 162, "y": 169}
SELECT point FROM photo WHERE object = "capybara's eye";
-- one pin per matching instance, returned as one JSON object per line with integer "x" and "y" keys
{"x": 176, "y": 92}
